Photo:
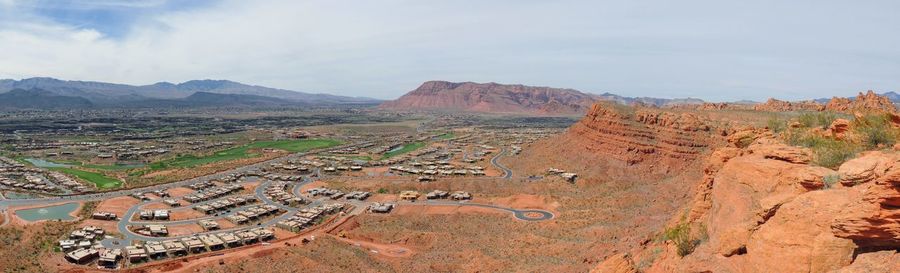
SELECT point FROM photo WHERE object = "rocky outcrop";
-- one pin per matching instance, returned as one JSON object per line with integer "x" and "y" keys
{"x": 783, "y": 152}
{"x": 492, "y": 98}
{"x": 642, "y": 135}
{"x": 619, "y": 263}
{"x": 774, "y": 105}
{"x": 775, "y": 214}
{"x": 865, "y": 168}
{"x": 838, "y": 128}
{"x": 870, "y": 101}
{"x": 881, "y": 261}
{"x": 747, "y": 191}
{"x": 875, "y": 221}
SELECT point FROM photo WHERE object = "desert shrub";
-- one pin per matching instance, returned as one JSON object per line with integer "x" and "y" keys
{"x": 875, "y": 131}
{"x": 777, "y": 125}
{"x": 382, "y": 190}
{"x": 831, "y": 179}
{"x": 684, "y": 240}
{"x": 832, "y": 153}
{"x": 827, "y": 152}
{"x": 745, "y": 141}
{"x": 816, "y": 119}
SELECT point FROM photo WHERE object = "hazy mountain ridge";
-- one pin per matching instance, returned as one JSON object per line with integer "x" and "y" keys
{"x": 102, "y": 93}
{"x": 40, "y": 99}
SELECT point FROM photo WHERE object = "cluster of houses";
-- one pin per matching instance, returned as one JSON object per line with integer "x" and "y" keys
{"x": 381, "y": 207}
{"x": 153, "y": 230}
{"x": 342, "y": 168}
{"x": 307, "y": 217}
{"x": 277, "y": 192}
{"x": 15, "y": 175}
{"x": 158, "y": 214}
{"x": 290, "y": 167}
{"x": 457, "y": 195}
{"x": 196, "y": 244}
{"x": 212, "y": 193}
{"x": 225, "y": 204}
{"x": 562, "y": 173}
{"x": 82, "y": 246}
{"x": 253, "y": 213}
{"x": 201, "y": 145}
{"x": 282, "y": 177}
{"x": 428, "y": 170}
{"x": 105, "y": 216}
{"x": 436, "y": 194}
{"x": 201, "y": 185}
{"x": 337, "y": 194}
{"x": 143, "y": 195}
{"x": 32, "y": 182}
{"x": 326, "y": 192}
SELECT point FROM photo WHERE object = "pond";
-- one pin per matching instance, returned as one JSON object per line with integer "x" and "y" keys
{"x": 58, "y": 212}
{"x": 40, "y": 163}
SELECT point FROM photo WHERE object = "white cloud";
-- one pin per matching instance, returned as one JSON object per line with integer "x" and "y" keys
{"x": 384, "y": 48}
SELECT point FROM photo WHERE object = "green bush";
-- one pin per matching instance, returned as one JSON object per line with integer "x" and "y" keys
{"x": 830, "y": 180}
{"x": 827, "y": 152}
{"x": 684, "y": 240}
{"x": 777, "y": 125}
{"x": 875, "y": 130}
{"x": 832, "y": 153}
{"x": 817, "y": 119}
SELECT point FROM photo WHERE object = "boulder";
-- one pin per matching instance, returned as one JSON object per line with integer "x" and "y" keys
{"x": 797, "y": 238}
{"x": 619, "y": 263}
{"x": 783, "y": 152}
{"x": 747, "y": 191}
{"x": 873, "y": 262}
{"x": 874, "y": 222}
{"x": 865, "y": 168}
{"x": 839, "y": 127}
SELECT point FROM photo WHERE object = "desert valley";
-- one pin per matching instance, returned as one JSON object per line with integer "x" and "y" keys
{"x": 513, "y": 177}
{"x": 583, "y": 136}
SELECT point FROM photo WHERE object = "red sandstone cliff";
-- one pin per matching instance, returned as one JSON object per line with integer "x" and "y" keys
{"x": 492, "y": 98}
{"x": 624, "y": 141}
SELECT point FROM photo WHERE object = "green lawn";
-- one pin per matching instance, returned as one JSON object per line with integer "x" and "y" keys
{"x": 447, "y": 136}
{"x": 361, "y": 157}
{"x": 294, "y": 146}
{"x": 405, "y": 149}
{"x": 102, "y": 181}
{"x": 114, "y": 167}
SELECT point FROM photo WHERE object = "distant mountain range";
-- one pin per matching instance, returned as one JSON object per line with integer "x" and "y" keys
{"x": 648, "y": 100}
{"x": 55, "y": 93}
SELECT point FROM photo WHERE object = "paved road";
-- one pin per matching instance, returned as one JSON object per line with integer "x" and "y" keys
{"x": 522, "y": 214}
{"x": 507, "y": 173}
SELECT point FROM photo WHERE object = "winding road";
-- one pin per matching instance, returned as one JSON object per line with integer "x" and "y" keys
{"x": 521, "y": 214}
{"x": 507, "y": 173}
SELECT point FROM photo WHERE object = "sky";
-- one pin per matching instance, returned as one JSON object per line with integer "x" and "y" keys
{"x": 717, "y": 50}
